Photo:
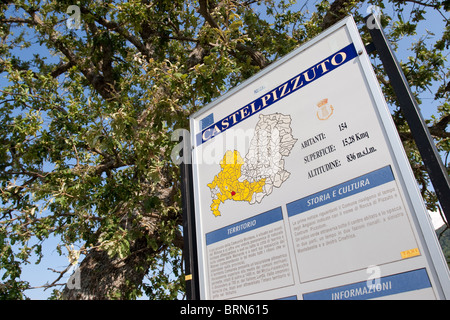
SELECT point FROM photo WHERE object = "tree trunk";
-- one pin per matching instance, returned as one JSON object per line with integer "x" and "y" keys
{"x": 101, "y": 277}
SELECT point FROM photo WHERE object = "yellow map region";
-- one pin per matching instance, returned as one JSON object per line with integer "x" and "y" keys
{"x": 226, "y": 185}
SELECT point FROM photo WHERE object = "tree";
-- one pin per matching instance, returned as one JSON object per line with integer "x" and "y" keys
{"x": 87, "y": 121}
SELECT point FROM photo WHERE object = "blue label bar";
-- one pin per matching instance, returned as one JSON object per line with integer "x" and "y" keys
{"x": 288, "y": 298}
{"x": 207, "y": 121}
{"x": 389, "y": 285}
{"x": 340, "y": 191}
{"x": 304, "y": 78}
{"x": 243, "y": 226}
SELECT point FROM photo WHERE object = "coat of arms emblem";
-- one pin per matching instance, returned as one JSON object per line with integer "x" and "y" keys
{"x": 325, "y": 110}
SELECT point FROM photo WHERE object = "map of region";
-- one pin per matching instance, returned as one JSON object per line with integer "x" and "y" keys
{"x": 253, "y": 177}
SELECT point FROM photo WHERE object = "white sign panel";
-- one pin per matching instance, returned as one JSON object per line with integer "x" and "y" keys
{"x": 303, "y": 190}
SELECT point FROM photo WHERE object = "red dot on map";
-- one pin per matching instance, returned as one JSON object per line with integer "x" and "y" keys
{"x": 233, "y": 193}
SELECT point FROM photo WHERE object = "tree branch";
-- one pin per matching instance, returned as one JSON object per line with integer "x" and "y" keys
{"x": 338, "y": 10}
{"x": 203, "y": 10}
{"x": 96, "y": 80}
{"x": 61, "y": 68}
{"x": 114, "y": 26}
{"x": 439, "y": 128}
{"x": 425, "y": 4}
{"x": 256, "y": 56}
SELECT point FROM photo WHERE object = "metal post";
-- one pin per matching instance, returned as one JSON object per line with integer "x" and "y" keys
{"x": 431, "y": 158}
{"x": 189, "y": 234}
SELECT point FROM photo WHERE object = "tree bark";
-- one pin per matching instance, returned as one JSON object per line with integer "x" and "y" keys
{"x": 101, "y": 277}
{"x": 338, "y": 10}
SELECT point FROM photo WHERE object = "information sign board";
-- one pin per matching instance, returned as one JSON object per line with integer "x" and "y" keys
{"x": 302, "y": 187}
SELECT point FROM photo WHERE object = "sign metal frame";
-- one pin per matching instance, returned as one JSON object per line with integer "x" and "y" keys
{"x": 437, "y": 268}
{"x": 408, "y": 104}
